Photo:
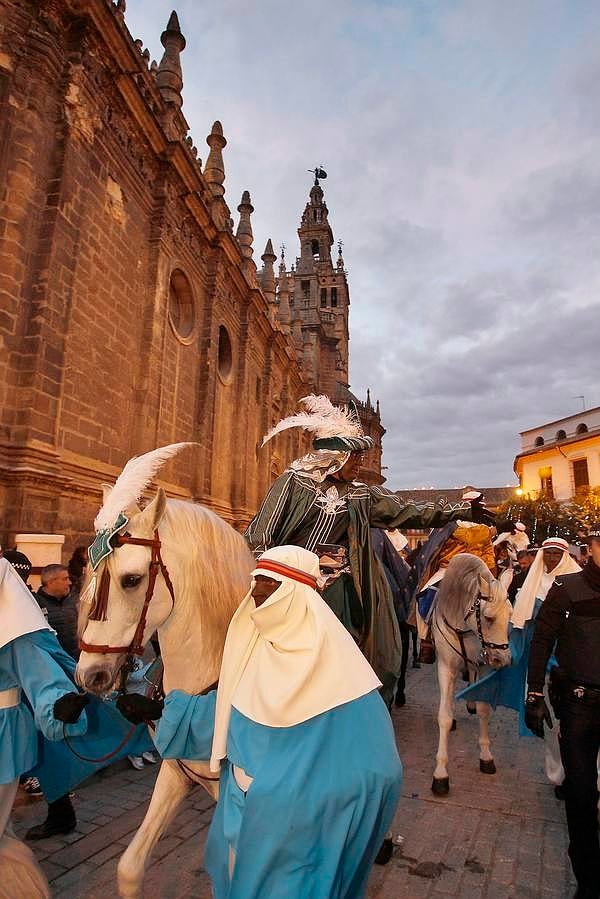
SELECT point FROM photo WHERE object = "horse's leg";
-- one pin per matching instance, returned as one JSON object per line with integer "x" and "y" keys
{"x": 486, "y": 759}
{"x": 446, "y": 680}
{"x": 171, "y": 787}
{"x": 415, "y": 648}
{"x": 404, "y": 639}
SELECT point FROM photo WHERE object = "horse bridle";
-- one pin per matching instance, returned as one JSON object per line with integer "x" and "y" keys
{"x": 461, "y": 634}
{"x": 99, "y": 609}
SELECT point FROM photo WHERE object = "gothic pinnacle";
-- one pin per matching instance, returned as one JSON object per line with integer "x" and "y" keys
{"x": 268, "y": 273}
{"x": 214, "y": 170}
{"x": 168, "y": 77}
{"x": 244, "y": 233}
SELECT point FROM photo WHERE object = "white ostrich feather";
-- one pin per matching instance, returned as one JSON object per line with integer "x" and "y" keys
{"x": 323, "y": 419}
{"x": 132, "y": 482}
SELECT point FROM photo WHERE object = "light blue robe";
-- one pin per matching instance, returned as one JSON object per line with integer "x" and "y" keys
{"x": 323, "y": 796}
{"x": 507, "y": 686}
{"x": 31, "y": 663}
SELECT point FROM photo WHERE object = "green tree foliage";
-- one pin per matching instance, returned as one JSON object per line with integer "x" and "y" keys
{"x": 545, "y": 517}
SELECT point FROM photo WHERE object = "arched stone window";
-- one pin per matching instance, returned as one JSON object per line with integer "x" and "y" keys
{"x": 539, "y": 441}
{"x": 182, "y": 313}
{"x": 561, "y": 435}
{"x": 224, "y": 355}
{"x": 581, "y": 428}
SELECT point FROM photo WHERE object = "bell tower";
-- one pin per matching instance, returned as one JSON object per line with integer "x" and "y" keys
{"x": 319, "y": 299}
{"x": 312, "y": 305}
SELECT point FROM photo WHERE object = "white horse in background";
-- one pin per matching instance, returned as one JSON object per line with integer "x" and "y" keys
{"x": 209, "y": 565}
{"x": 470, "y": 621}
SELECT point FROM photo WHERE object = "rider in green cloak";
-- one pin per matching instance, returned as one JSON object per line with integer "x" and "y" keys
{"x": 317, "y": 504}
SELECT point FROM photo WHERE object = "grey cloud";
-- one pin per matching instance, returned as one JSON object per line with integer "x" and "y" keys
{"x": 461, "y": 142}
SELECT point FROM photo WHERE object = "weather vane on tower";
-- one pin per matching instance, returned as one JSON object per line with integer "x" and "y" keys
{"x": 318, "y": 172}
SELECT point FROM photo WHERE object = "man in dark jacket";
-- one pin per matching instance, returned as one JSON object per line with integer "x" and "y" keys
{"x": 54, "y": 596}
{"x": 569, "y": 623}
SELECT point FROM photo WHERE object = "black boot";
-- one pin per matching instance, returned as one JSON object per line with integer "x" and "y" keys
{"x": 385, "y": 852}
{"x": 60, "y": 819}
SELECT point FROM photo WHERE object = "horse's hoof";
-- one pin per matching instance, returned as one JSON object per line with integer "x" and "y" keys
{"x": 487, "y": 766}
{"x": 471, "y": 708}
{"x": 440, "y": 786}
{"x": 416, "y": 663}
{"x": 385, "y": 852}
{"x": 400, "y": 699}
{"x": 453, "y": 724}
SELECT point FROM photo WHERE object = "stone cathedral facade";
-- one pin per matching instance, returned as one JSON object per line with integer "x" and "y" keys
{"x": 132, "y": 313}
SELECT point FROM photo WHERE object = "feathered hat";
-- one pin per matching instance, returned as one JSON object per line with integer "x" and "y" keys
{"x": 334, "y": 428}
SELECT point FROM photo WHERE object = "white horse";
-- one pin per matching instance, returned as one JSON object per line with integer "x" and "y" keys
{"x": 470, "y": 620}
{"x": 209, "y": 567}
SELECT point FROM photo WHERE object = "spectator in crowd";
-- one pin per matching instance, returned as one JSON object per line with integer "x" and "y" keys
{"x": 76, "y": 568}
{"x": 524, "y": 560}
{"x": 55, "y": 596}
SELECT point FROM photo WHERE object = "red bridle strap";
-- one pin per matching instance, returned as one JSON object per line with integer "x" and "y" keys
{"x": 136, "y": 647}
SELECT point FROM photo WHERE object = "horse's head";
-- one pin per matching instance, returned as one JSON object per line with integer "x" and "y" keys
{"x": 495, "y": 614}
{"x": 124, "y": 576}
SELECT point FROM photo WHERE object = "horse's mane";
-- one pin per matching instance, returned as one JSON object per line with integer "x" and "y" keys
{"x": 460, "y": 586}
{"x": 215, "y": 564}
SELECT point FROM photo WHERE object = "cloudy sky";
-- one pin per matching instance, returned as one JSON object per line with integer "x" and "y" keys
{"x": 462, "y": 142}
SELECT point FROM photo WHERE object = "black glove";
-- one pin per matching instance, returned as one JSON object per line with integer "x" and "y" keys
{"x": 70, "y": 706}
{"x": 536, "y": 713}
{"x": 138, "y": 709}
{"x": 480, "y": 514}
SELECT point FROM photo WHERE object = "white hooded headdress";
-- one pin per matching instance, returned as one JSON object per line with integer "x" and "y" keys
{"x": 290, "y": 659}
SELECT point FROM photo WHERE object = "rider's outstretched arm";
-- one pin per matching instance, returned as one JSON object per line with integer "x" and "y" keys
{"x": 388, "y": 510}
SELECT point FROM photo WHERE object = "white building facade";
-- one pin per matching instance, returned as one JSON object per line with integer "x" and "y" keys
{"x": 561, "y": 459}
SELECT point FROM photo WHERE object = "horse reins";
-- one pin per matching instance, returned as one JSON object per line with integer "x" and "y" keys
{"x": 98, "y": 612}
{"x": 461, "y": 634}
{"x": 99, "y": 609}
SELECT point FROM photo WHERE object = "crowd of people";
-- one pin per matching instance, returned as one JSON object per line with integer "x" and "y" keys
{"x": 315, "y": 652}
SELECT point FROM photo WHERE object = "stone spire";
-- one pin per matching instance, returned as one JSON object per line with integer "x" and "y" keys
{"x": 267, "y": 279}
{"x": 244, "y": 234}
{"x": 168, "y": 77}
{"x": 214, "y": 170}
{"x": 284, "y": 312}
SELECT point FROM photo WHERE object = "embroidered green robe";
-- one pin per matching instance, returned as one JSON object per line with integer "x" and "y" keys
{"x": 298, "y": 510}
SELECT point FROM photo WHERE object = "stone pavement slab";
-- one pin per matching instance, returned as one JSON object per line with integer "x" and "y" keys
{"x": 500, "y": 836}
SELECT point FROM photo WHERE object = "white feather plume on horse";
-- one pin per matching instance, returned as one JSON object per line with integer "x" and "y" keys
{"x": 323, "y": 419}
{"x": 132, "y": 482}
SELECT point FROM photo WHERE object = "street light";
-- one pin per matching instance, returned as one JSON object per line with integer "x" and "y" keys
{"x": 519, "y": 491}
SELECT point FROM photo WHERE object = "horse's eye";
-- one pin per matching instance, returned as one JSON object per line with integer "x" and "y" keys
{"x": 128, "y": 581}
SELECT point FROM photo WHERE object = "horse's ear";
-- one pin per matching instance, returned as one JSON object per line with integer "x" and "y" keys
{"x": 149, "y": 519}
{"x": 484, "y": 586}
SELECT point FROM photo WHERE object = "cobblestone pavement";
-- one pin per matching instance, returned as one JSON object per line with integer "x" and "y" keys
{"x": 494, "y": 837}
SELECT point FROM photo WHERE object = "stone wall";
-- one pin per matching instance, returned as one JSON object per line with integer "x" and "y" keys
{"x": 128, "y": 316}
